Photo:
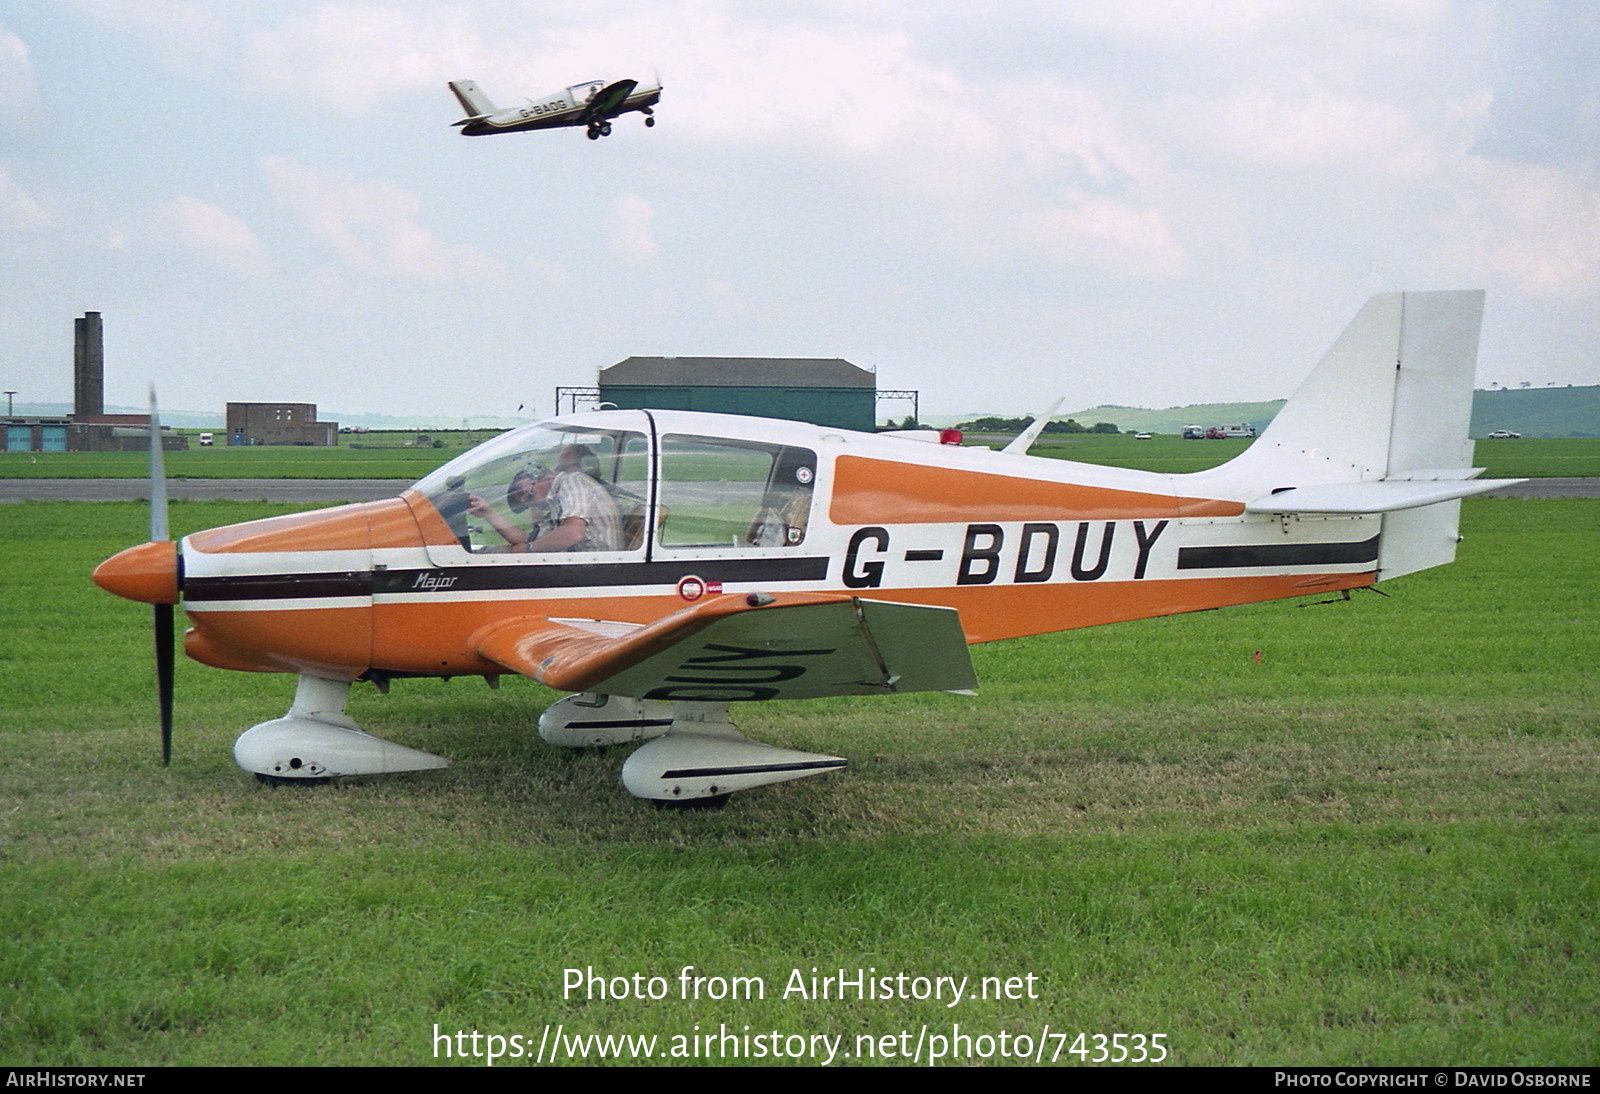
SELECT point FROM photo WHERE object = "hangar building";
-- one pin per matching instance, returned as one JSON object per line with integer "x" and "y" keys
{"x": 822, "y": 391}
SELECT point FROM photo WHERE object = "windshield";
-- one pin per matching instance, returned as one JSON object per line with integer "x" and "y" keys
{"x": 546, "y": 488}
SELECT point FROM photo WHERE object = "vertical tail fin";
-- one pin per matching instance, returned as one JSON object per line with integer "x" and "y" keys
{"x": 1380, "y": 426}
{"x": 472, "y": 100}
{"x": 1391, "y": 398}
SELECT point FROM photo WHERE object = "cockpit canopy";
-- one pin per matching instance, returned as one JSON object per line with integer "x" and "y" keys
{"x": 714, "y": 493}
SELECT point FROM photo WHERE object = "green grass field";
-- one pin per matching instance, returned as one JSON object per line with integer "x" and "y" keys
{"x": 1377, "y": 844}
{"x": 1525, "y": 458}
{"x": 1528, "y": 457}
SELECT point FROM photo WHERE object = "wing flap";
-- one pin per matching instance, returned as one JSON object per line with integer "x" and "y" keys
{"x": 794, "y": 646}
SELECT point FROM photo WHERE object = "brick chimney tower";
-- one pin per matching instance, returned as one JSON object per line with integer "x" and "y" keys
{"x": 89, "y": 367}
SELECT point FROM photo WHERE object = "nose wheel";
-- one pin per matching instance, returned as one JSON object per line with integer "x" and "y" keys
{"x": 317, "y": 741}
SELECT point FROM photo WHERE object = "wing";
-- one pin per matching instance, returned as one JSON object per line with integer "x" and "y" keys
{"x": 741, "y": 648}
{"x": 607, "y": 100}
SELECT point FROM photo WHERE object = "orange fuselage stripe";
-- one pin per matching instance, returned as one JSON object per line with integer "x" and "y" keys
{"x": 869, "y": 491}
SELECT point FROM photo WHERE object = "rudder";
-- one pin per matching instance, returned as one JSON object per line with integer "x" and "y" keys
{"x": 472, "y": 100}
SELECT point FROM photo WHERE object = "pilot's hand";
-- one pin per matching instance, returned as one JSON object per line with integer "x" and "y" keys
{"x": 478, "y": 507}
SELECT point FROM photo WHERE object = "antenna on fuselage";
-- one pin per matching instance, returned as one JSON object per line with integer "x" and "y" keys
{"x": 1024, "y": 440}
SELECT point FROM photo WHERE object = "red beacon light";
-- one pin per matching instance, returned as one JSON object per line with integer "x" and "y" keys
{"x": 949, "y": 436}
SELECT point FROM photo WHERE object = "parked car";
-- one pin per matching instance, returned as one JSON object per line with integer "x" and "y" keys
{"x": 1503, "y": 435}
{"x": 1141, "y": 436}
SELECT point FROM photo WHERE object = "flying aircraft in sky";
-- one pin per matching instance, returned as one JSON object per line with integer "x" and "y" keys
{"x": 663, "y": 565}
{"x": 591, "y": 105}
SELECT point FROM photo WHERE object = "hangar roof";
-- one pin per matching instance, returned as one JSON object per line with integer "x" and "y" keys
{"x": 738, "y": 372}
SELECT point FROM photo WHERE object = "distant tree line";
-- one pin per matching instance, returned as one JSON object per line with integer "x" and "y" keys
{"x": 1017, "y": 425}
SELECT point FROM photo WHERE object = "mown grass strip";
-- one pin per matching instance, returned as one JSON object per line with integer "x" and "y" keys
{"x": 1376, "y": 844}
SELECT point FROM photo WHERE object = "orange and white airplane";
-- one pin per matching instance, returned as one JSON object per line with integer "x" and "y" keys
{"x": 706, "y": 560}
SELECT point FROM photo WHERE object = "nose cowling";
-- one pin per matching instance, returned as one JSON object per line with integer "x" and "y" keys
{"x": 147, "y": 573}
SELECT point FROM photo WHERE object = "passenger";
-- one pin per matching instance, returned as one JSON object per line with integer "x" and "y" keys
{"x": 786, "y": 508}
{"x": 580, "y": 514}
{"x": 782, "y": 520}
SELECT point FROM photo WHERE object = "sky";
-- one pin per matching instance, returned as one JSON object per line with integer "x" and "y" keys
{"x": 1144, "y": 204}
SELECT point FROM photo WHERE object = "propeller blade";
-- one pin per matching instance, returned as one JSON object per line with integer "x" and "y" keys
{"x": 163, "y": 622}
{"x": 158, "y": 476}
{"x": 164, "y": 675}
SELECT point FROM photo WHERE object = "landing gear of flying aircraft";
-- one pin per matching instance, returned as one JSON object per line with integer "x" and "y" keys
{"x": 317, "y": 740}
{"x": 599, "y": 129}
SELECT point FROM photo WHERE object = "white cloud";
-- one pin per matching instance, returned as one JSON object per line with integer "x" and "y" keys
{"x": 353, "y": 57}
{"x": 1322, "y": 131}
{"x": 18, "y": 209}
{"x": 19, "y": 91}
{"x": 371, "y": 224}
{"x": 184, "y": 32}
{"x": 1536, "y": 226}
{"x": 1095, "y": 232}
{"x": 213, "y": 232}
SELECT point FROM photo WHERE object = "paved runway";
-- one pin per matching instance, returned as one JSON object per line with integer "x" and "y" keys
{"x": 298, "y": 491}
{"x": 337, "y": 491}
{"x": 1552, "y": 488}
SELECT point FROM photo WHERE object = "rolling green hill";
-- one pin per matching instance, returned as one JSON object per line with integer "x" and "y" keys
{"x": 1538, "y": 412}
{"x": 1533, "y": 412}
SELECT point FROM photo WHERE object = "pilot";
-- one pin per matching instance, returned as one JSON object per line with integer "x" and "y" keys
{"x": 529, "y": 489}
{"x": 580, "y": 514}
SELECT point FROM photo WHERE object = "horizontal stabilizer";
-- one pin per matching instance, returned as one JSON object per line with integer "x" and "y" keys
{"x": 1385, "y": 496}
{"x": 740, "y": 648}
